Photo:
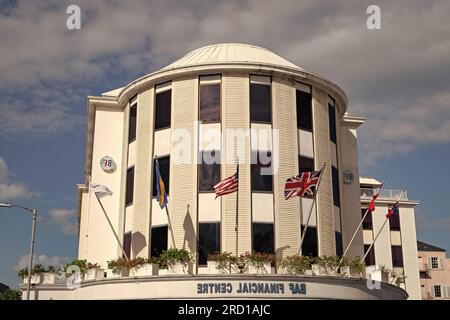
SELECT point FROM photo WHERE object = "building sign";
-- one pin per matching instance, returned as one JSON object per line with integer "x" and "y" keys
{"x": 107, "y": 164}
{"x": 348, "y": 176}
{"x": 236, "y": 288}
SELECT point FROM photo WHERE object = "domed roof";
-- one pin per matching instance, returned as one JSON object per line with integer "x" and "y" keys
{"x": 231, "y": 53}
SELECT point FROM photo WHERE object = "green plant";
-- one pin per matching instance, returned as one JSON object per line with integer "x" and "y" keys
{"x": 168, "y": 258}
{"x": 81, "y": 264}
{"x": 118, "y": 264}
{"x": 296, "y": 264}
{"x": 355, "y": 265}
{"x": 223, "y": 260}
{"x": 11, "y": 294}
{"x": 258, "y": 259}
{"x": 38, "y": 268}
{"x": 328, "y": 263}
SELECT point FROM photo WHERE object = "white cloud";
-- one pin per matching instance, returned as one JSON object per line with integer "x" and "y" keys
{"x": 10, "y": 190}
{"x": 65, "y": 218}
{"x": 43, "y": 260}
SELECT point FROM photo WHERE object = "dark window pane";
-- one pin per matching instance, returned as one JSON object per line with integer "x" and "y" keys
{"x": 332, "y": 122}
{"x": 159, "y": 241}
{"x": 127, "y": 244}
{"x": 367, "y": 223}
{"x": 338, "y": 238}
{"x": 162, "y": 109}
{"x": 130, "y": 186}
{"x": 208, "y": 240}
{"x": 309, "y": 246}
{"x": 263, "y": 237}
{"x": 208, "y": 173}
{"x": 335, "y": 176}
{"x": 370, "y": 258}
{"x": 394, "y": 222}
{"x": 260, "y": 167}
{"x": 132, "y": 124}
{"x": 164, "y": 170}
{"x": 305, "y": 164}
{"x": 397, "y": 256}
{"x": 304, "y": 110}
{"x": 260, "y": 104}
{"x": 210, "y": 103}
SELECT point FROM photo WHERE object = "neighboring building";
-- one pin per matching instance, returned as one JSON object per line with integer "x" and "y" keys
{"x": 395, "y": 247}
{"x": 287, "y": 120}
{"x": 434, "y": 267}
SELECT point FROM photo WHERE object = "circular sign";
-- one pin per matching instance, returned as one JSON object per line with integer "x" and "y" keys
{"x": 108, "y": 164}
{"x": 348, "y": 176}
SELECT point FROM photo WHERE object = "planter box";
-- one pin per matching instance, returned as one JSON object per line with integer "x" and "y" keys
{"x": 212, "y": 268}
{"x": 52, "y": 278}
{"x": 35, "y": 278}
{"x": 147, "y": 269}
{"x": 94, "y": 274}
{"x": 345, "y": 271}
{"x": 380, "y": 276}
{"x": 122, "y": 273}
{"x": 266, "y": 268}
{"x": 321, "y": 271}
{"x": 308, "y": 272}
{"x": 178, "y": 268}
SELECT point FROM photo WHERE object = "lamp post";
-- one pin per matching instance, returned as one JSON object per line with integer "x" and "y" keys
{"x": 33, "y": 229}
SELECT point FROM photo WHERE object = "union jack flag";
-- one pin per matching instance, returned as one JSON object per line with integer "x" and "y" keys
{"x": 229, "y": 185}
{"x": 302, "y": 185}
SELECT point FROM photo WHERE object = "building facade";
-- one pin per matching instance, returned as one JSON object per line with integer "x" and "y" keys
{"x": 434, "y": 268}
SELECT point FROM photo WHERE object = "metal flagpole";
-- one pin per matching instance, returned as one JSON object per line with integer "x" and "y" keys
{"x": 112, "y": 228}
{"x": 312, "y": 206}
{"x": 237, "y": 207}
{"x": 379, "y": 232}
{"x": 359, "y": 226}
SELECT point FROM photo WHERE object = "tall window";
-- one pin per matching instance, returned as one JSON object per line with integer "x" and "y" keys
{"x": 335, "y": 177}
{"x": 261, "y": 178}
{"x": 367, "y": 223}
{"x": 394, "y": 222}
{"x": 305, "y": 164}
{"x": 332, "y": 122}
{"x": 208, "y": 240}
{"x": 208, "y": 170}
{"x": 132, "y": 123}
{"x": 434, "y": 263}
{"x": 260, "y": 103}
{"x": 130, "y": 186}
{"x": 338, "y": 238}
{"x": 164, "y": 170}
{"x": 370, "y": 258}
{"x": 127, "y": 244}
{"x": 263, "y": 237}
{"x": 304, "y": 109}
{"x": 309, "y": 245}
{"x": 437, "y": 291}
{"x": 209, "y": 101}
{"x": 397, "y": 256}
{"x": 159, "y": 241}
{"x": 163, "y": 109}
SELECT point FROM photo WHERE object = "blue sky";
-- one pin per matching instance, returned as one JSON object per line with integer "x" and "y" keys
{"x": 397, "y": 77}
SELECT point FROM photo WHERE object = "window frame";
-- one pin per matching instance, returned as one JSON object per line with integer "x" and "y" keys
{"x": 152, "y": 234}
{"x": 397, "y": 262}
{"x": 332, "y": 116}
{"x": 127, "y": 187}
{"x": 214, "y": 83}
{"x": 335, "y": 183}
{"x": 272, "y": 225}
{"x": 218, "y": 237}
{"x": 166, "y": 183}
{"x": 133, "y": 106}
{"x": 299, "y": 127}
{"x": 253, "y": 165}
{"x": 200, "y": 167}
{"x": 434, "y": 259}
{"x": 155, "y": 112}
{"x": 368, "y": 216}
{"x": 256, "y": 83}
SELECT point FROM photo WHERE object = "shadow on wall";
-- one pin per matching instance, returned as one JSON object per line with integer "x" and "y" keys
{"x": 138, "y": 243}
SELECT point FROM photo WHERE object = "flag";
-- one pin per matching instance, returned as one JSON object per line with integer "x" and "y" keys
{"x": 393, "y": 210}
{"x": 100, "y": 190}
{"x": 229, "y": 185}
{"x": 161, "y": 194}
{"x": 371, "y": 206}
{"x": 302, "y": 185}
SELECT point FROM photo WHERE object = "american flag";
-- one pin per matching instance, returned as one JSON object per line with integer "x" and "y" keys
{"x": 229, "y": 185}
{"x": 302, "y": 185}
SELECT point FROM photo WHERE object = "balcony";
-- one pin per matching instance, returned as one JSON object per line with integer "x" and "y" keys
{"x": 385, "y": 194}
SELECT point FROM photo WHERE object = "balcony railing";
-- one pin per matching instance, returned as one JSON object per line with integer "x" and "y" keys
{"x": 386, "y": 194}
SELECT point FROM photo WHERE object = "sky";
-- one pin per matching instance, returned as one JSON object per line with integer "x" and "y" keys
{"x": 398, "y": 77}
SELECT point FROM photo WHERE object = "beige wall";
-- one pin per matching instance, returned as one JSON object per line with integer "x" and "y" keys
{"x": 439, "y": 276}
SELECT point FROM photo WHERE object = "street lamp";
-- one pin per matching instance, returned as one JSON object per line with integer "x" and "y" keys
{"x": 33, "y": 228}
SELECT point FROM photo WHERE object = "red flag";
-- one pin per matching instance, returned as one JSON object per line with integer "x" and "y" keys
{"x": 371, "y": 206}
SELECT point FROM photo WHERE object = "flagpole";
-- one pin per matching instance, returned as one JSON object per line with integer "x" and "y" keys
{"x": 237, "y": 207}
{"x": 379, "y": 232}
{"x": 310, "y": 210}
{"x": 359, "y": 226}
{"x": 112, "y": 228}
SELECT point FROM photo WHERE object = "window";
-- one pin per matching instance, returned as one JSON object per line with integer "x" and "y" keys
{"x": 434, "y": 263}
{"x": 423, "y": 275}
{"x": 208, "y": 173}
{"x": 209, "y": 240}
{"x": 260, "y": 104}
{"x": 304, "y": 110}
{"x": 397, "y": 256}
{"x": 437, "y": 291}
{"x": 338, "y": 238}
{"x": 159, "y": 241}
{"x": 210, "y": 103}
{"x": 164, "y": 170}
{"x": 305, "y": 164}
{"x": 163, "y": 109}
{"x": 370, "y": 258}
{"x": 309, "y": 245}
{"x": 335, "y": 177}
{"x": 332, "y": 122}
{"x": 132, "y": 123}
{"x": 263, "y": 237}
{"x": 367, "y": 223}
{"x": 130, "y": 187}
{"x": 127, "y": 244}
{"x": 394, "y": 222}
{"x": 260, "y": 167}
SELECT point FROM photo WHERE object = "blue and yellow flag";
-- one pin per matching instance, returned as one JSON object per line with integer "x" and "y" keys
{"x": 161, "y": 194}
